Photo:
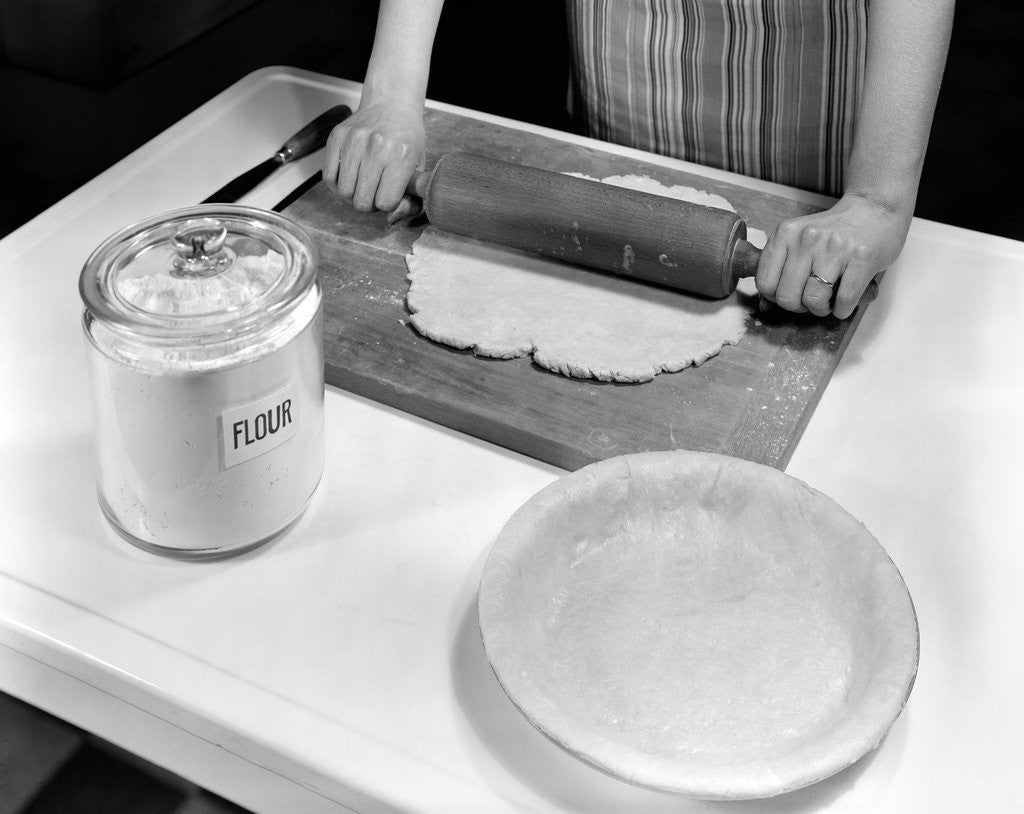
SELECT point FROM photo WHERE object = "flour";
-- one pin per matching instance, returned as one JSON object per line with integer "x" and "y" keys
{"x": 207, "y": 394}
{"x": 163, "y": 293}
{"x": 161, "y": 444}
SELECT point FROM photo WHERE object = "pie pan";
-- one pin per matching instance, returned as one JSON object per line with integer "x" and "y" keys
{"x": 698, "y": 624}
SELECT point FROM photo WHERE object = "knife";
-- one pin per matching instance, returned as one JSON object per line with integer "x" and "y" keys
{"x": 307, "y": 141}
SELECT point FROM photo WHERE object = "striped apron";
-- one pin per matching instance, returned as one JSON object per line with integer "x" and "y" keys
{"x": 766, "y": 88}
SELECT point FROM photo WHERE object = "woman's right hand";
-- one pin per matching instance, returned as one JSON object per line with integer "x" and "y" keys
{"x": 371, "y": 156}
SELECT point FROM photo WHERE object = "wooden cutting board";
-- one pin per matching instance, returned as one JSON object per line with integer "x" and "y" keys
{"x": 752, "y": 400}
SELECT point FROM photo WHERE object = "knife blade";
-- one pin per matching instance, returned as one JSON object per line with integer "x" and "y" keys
{"x": 298, "y": 192}
{"x": 305, "y": 142}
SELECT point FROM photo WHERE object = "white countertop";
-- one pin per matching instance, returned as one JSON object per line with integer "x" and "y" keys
{"x": 340, "y": 668}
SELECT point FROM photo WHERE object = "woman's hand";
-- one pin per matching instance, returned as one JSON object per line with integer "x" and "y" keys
{"x": 823, "y": 262}
{"x": 371, "y": 156}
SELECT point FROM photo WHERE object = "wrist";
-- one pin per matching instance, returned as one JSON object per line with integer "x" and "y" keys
{"x": 390, "y": 88}
{"x": 891, "y": 203}
{"x": 888, "y": 186}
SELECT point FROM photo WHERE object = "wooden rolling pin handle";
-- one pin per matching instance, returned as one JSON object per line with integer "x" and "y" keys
{"x": 745, "y": 257}
{"x": 419, "y": 184}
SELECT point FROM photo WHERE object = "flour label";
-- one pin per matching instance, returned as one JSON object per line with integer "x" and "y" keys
{"x": 258, "y": 427}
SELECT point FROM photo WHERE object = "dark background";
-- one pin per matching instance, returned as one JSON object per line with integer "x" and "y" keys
{"x": 76, "y": 97}
{"x": 84, "y": 83}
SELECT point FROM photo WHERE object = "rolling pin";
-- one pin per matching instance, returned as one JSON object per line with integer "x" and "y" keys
{"x": 649, "y": 237}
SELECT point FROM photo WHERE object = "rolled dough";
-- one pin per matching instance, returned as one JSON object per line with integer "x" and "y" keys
{"x": 503, "y": 303}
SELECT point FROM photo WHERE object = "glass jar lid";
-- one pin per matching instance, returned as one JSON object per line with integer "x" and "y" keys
{"x": 207, "y": 271}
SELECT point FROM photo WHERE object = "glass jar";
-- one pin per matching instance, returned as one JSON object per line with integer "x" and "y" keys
{"x": 205, "y": 351}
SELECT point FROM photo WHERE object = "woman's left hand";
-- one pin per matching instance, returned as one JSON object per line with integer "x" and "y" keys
{"x": 823, "y": 262}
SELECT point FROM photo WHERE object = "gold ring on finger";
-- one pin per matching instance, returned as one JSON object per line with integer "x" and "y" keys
{"x": 822, "y": 280}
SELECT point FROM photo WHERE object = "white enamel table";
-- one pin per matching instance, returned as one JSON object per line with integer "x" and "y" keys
{"x": 341, "y": 668}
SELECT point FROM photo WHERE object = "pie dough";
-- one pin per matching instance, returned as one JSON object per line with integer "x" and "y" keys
{"x": 700, "y": 624}
{"x": 503, "y": 303}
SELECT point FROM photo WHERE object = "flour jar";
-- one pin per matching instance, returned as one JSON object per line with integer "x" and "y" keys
{"x": 205, "y": 353}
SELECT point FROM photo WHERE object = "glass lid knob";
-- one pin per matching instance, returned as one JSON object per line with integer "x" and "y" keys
{"x": 199, "y": 246}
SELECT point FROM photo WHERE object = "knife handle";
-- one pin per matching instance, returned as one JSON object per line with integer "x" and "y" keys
{"x": 314, "y": 135}
{"x": 306, "y": 141}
